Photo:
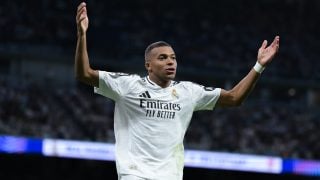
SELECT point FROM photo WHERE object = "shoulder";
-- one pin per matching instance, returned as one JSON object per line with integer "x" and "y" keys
{"x": 118, "y": 76}
{"x": 193, "y": 86}
{"x": 121, "y": 75}
{"x": 184, "y": 85}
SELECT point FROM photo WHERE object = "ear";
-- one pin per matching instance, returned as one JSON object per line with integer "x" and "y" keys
{"x": 147, "y": 65}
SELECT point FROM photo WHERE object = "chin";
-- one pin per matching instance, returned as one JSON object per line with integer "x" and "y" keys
{"x": 171, "y": 77}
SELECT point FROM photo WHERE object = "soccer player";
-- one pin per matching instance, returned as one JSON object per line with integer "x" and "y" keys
{"x": 152, "y": 113}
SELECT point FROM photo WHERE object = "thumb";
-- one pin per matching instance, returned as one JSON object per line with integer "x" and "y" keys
{"x": 264, "y": 44}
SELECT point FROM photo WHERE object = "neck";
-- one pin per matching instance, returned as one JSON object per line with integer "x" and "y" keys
{"x": 160, "y": 82}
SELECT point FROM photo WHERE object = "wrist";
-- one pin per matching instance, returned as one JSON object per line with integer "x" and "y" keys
{"x": 258, "y": 67}
{"x": 81, "y": 34}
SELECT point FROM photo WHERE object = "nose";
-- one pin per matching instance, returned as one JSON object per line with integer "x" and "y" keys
{"x": 170, "y": 61}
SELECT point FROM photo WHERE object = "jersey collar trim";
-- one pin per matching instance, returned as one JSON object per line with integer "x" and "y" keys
{"x": 155, "y": 85}
{"x": 148, "y": 79}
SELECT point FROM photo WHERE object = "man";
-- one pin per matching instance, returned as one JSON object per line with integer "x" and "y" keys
{"x": 152, "y": 113}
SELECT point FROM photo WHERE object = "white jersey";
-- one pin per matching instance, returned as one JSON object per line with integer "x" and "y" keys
{"x": 150, "y": 122}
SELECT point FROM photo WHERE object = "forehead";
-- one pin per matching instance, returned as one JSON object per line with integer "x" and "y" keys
{"x": 162, "y": 50}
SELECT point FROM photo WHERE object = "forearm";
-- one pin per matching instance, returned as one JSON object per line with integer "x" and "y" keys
{"x": 241, "y": 91}
{"x": 82, "y": 65}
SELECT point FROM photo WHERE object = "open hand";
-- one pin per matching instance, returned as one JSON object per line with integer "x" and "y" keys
{"x": 266, "y": 54}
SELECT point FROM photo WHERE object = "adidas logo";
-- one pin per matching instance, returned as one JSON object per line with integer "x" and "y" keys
{"x": 145, "y": 95}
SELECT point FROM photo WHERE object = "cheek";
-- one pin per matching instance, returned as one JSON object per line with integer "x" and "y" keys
{"x": 154, "y": 67}
{"x": 157, "y": 66}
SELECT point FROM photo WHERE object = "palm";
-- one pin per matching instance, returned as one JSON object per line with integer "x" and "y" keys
{"x": 84, "y": 24}
{"x": 266, "y": 54}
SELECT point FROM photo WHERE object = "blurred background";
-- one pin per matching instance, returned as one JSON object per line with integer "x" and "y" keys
{"x": 216, "y": 42}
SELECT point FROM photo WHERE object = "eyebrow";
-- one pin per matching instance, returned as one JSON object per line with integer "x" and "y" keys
{"x": 166, "y": 55}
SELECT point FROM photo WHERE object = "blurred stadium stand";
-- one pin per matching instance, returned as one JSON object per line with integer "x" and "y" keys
{"x": 216, "y": 44}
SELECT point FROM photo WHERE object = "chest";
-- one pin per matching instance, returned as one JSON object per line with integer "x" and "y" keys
{"x": 169, "y": 103}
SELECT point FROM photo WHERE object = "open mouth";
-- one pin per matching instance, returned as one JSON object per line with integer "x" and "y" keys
{"x": 170, "y": 70}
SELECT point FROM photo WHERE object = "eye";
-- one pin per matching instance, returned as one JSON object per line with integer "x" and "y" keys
{"x": 162, "y": 57}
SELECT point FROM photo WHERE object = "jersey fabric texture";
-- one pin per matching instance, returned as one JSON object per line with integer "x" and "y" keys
{"x": 150, "y": 122}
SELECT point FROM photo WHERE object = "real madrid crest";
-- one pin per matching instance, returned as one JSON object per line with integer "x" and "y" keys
{"x": 174, "y": 93}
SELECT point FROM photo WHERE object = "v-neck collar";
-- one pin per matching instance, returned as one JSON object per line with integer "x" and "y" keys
{"x": 155, "y": 85}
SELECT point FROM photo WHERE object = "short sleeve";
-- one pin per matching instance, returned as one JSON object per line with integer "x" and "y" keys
{"x": 113, "y": 85}
{"x": 205, "y": 98}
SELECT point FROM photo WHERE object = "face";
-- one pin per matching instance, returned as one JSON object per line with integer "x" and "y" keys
{"x": 161, "y": 63}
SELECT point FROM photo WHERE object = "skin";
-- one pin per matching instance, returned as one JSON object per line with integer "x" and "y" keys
{"x": 83, "y": 71}
{"x": 161, "y": 64}
{"x": 239, "y": 93}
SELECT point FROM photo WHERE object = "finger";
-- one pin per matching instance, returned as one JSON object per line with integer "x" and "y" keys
{"x": 81, "y": 5}
{"x": 82, "y": 17}
{"x": 264, "y": 44}
{"x": 276, "y": 42}
{"x": 80, "y": 9}
{"x": 82, "y": 12}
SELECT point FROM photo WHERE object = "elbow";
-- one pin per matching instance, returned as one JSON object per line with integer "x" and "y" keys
{"x": 80, "y": 77}
{"x": 233, "y": 102}
{"x": 230, "y": 99}
{"x": 83, "y": 79}
{"x": 237, "y": 103}
{"x": 89, "y": 77}
{"x": 236, "y": 99}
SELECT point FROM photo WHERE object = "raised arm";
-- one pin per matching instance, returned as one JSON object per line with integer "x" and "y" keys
{"x": 82, "y": 69}
{"x": 239, "y": 93}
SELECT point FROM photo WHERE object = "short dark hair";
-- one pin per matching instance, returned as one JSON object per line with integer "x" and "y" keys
{"x": 155, "y": 45}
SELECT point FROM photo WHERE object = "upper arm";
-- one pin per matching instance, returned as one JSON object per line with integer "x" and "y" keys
{"x": 227, "y": 99}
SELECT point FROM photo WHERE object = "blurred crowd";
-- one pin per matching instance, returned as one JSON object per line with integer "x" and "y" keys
{"x": 36, "y": 111}
{"x": 262, "y": 127}
{"x": 223, "y": 35}
{"x": 213, "y": 36}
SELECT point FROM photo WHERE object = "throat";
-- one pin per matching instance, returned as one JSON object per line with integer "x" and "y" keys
{"x": 160, "y": 82}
